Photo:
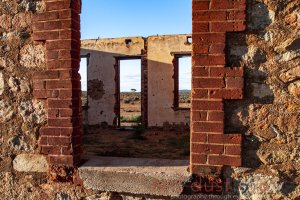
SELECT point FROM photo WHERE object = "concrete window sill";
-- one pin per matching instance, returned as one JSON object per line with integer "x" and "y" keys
{"x": 159, "y": 177}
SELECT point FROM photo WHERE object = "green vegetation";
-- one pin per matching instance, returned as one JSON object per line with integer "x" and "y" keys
{"x": 184, "y": 97}
{"x": 136, "y": 119}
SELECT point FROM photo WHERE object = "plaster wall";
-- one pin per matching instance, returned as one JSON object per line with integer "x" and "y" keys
{"x": 161, "y": 81}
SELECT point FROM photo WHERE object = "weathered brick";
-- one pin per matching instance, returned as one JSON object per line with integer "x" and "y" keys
{"x": 228, "y": 4}
{"x": 225, "y": 93}
{"x": 208, "y": 83}
{"x": 208, "y": 127}
{"x": 233, "y": 150}
{"x": 232, "y": 93}
{"x": 58, "y": 5}
{"x": 43, "y": 140}
{"x": 59, "y": 103}
{"x": 48, "y": 74}
{"x": 200, "y": 71}
{"x": 208, "y": 38}
{"x": 226, "y": 71}
{"x": 228, "y": 26}
{"x": 208, "y": 60}
{"x": 200, "y": 27}
{"x": 69, "y": 131}
{"x": 46, "y": 16}
{"x": 207, "y": 148}
{"x": 216, "y": 116}
{"x": 224, "y": 160}
{"x": 52, "y": 55}
{"x": 59, "y": 84}
{"x": 199, "y": 159}
{"x": 207, "y": 105}
{"x": 225, "y": 138}
{"x": 209, "y": 15}
{"x": 45, "y": 35}
{"x": 59, "y": 44}
{"x": 61, "y": 122}
{"x": 200, "y": 5}
{"x": 47, "y": 131}
{"x": 44, "y": 94}
{"x": 199, "y": 137}
{"x": 217, "y": 48}
{"x": 200, "y": 93}
{"x": 67, "y": 150}
{"x": 200, "y": 49}
{"x": 53, "y": 150}
{"x": 59, "y": 141}
{"x": 199, "y": 115}
{"x": 234, "y": 82}
{"x": 236, "y": 15}
{"x": 216, "y": 93}
{"x": 39, "y": 84}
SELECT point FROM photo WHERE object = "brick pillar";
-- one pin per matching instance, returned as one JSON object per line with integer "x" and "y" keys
{"x": 212, "y": 82}
{"x": 59, "y": 85}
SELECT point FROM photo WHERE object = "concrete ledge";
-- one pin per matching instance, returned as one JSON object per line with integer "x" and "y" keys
{"x": 159, "y": 177}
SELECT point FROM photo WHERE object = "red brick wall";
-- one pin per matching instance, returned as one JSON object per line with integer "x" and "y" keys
{"x": 59, "y": 85}
{"x": 212, "y": 82}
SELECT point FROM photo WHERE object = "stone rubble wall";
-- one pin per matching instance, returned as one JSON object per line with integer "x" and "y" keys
{"x": 269, "y": 114}
{"x": 20, "y": 115}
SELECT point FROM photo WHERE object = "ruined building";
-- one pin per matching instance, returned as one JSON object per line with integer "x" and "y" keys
{"x": 159, "y": 54}
{"x": 244, "y": 115}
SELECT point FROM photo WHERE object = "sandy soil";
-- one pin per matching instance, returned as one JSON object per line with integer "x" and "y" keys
{"x": 149, "y": 144}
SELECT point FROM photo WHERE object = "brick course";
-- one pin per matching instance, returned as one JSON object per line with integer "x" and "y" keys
{"x": 212, "y": 82}
{"x": 59, "y": 85}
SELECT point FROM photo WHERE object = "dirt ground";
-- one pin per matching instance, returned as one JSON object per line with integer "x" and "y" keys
{"x": 135, "y": 140}
{"x": 171, "y": 144}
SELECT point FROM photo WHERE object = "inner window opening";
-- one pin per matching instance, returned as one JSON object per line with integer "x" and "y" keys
{"x": 130, "y": 93}
{"x": 184, "y": 81}
{"x": 83, "y": 75}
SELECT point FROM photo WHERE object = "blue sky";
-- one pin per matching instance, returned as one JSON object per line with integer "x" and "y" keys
{"x": 122, "y": 18}
{"x": 130, "y": 72}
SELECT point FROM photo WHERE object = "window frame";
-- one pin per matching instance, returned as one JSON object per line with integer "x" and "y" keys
{"x": 176, "y": 57}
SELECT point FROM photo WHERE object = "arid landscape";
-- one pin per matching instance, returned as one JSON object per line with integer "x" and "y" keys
{"x": 130, "y": 108}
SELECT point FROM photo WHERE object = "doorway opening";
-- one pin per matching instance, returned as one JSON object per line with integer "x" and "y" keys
{"x": 83, "y": 71}
{"x": 129, "y": 92}
{"x": 182, "y": 81}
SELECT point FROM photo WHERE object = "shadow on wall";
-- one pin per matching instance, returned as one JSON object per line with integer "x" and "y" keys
{"x": 241, "y": 52}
